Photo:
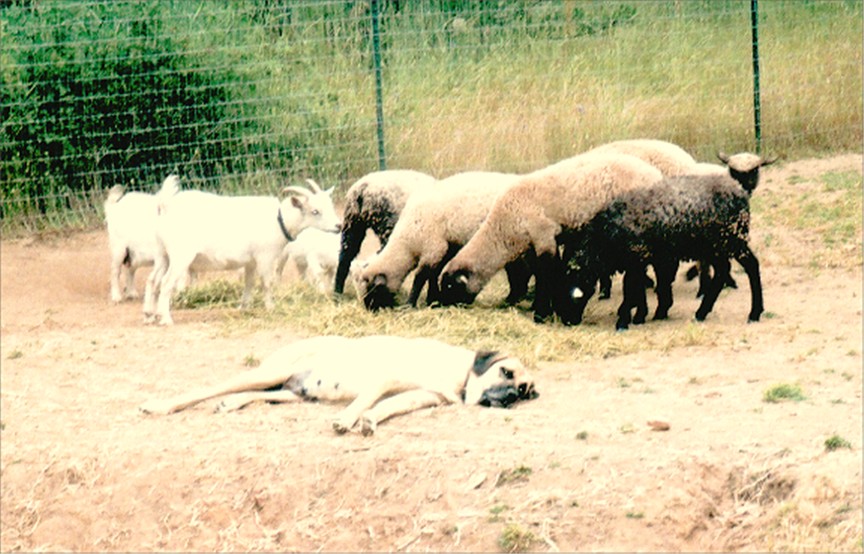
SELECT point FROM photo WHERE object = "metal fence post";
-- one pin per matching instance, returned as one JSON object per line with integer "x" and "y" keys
{"x": 757, "y": 108}
{"x": 379, "y": 98}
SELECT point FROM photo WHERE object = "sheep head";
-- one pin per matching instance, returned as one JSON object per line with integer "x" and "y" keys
{"x": 375, "y": 292}
{"x": 744, "y": 168}
{"x": 459, "y": 286}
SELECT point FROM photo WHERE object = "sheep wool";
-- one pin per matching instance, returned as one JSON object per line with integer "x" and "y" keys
{"x": 696, "y": 217}
{"x": 374, "y": 202}
{"x": 432, "y": 225}
{"x": 533, "y": 213}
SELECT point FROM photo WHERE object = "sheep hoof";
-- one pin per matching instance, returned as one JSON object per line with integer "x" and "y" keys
{"x": 541, "y": 318}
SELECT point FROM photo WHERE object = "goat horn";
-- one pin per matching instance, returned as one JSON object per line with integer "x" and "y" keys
{"x": 296, "y": 190}
{"x": 314, "y": 185}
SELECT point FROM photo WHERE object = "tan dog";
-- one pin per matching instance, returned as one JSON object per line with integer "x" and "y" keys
{"x": 381, "y": 376}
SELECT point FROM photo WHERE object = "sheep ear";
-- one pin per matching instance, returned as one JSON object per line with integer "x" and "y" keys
{"x": 723, "y": 157}
{"x": 314, "y": 186}
{"x": 768, "y": 161}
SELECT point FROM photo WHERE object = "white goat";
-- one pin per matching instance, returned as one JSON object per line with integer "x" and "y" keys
{"x": 203, "y": 231}
{"x": 316, "y": 255}
{"x": 131, "y": 223}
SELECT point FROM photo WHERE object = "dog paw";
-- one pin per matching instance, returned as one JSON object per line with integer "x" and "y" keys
{"x": 367, "y": 426}
{"x": 155, "y": 407}
{"x": 231, "y": 404}
{"x": 340, "y": 428}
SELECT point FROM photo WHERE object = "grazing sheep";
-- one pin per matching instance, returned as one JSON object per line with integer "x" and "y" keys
{"x": 374, "y": 202}
{"x": 202, "y": 231}
{"x": 315, "y": 253}
{"x": 669, "y": 158}
{"x": 432, "y": 226}
{"x": 533, "y": 215}
{"x": 694, "y": 217}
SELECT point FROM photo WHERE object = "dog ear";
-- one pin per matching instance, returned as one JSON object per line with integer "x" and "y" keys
{"x": 484, "y": 360}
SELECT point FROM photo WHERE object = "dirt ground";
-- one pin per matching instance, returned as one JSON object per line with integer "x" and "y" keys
{"x": 579, "y": 469}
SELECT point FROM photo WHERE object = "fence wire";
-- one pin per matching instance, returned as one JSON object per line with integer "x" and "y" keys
{"x": 250, "y": 95}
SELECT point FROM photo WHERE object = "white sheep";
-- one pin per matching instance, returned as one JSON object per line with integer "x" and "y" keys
{"x": 202, "y": 231}
{"x": 374, "y": 203}
{"x": 316, "y": 254}
{"x": 669, "y": 158}
{"x": 433, "y": 224}
{"x": 534, "y": 214}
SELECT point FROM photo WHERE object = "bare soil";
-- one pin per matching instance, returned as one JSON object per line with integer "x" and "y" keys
{"x": 579, "y": 469}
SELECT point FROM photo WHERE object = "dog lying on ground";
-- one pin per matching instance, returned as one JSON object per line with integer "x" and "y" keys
{"x": 381, "y": 376}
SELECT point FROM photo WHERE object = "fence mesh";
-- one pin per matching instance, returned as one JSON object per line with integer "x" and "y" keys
{"x": 250, "y": 95}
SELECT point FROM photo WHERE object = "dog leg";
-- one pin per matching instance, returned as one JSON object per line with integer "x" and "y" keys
{"x": 398, "y": 404}
{"x": 239, "y": 400}
{"x": 263, "y": 377}
{"x": 346, "y": 419}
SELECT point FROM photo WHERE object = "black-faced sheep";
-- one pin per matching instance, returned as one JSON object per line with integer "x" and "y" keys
{"x": 744, "y": 168}
{"x": 533, "y": 215}
{"x": 432, "y": 226}
{"x": 680, "y": 218}
{"x": 374, "y": 202}
{"x": 667, "y": 157}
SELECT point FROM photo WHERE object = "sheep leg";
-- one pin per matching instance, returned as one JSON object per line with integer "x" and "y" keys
{"x": 721, "y": 271}
{"x": 751, "y": 265}
{"x": 605, "y": 287}
{"x": 420, "y": 279}
{"x": 350, "y": 242}
{"x": 549, "y": 272}
{"x": 634, "y": 296}
{"x": 518, "y": 275}
{"x": 402, "y": 403}
{"x": 665, "y": 272}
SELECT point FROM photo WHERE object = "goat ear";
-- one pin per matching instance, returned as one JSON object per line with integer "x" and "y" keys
{"x": 298, "y": 202}
{"x": 723, "y": 157}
